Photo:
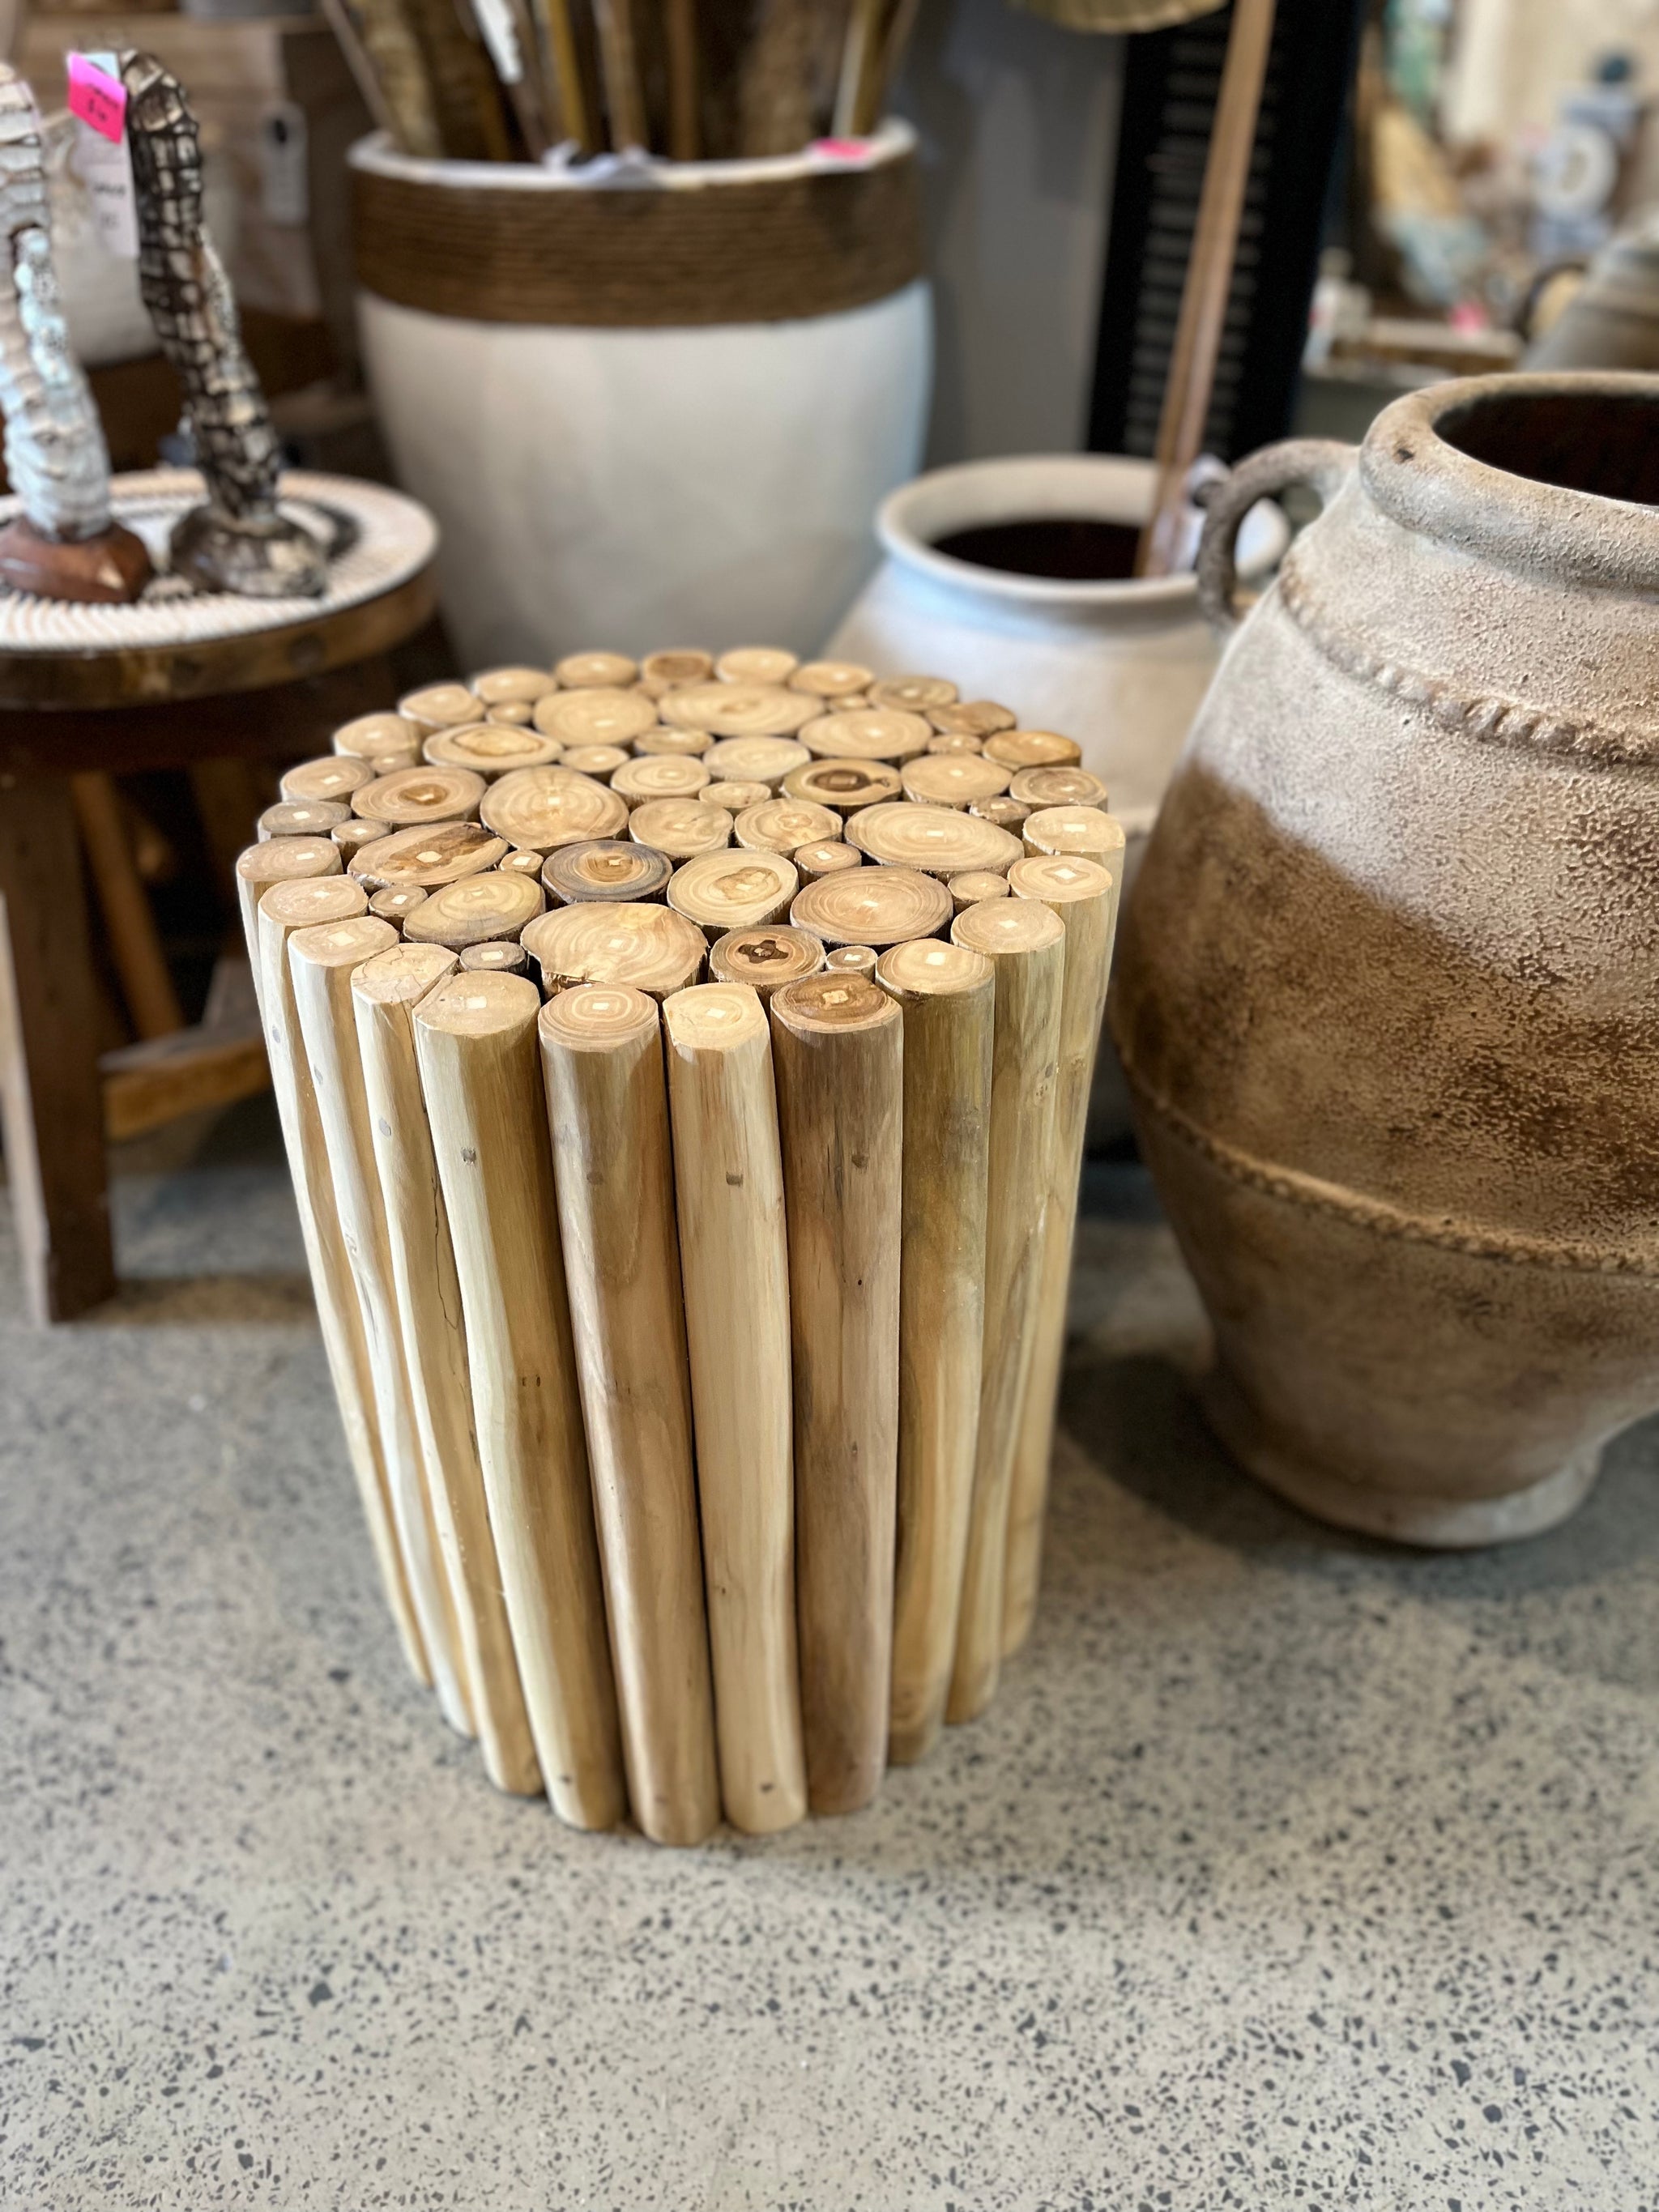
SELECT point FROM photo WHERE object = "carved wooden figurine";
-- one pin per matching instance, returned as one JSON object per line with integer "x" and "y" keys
{"x": 240, "y": 541}
{"x": 63, "y": 545}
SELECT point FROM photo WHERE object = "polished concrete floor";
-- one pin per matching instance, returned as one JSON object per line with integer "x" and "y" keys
{"x": 1286, "y": 1871}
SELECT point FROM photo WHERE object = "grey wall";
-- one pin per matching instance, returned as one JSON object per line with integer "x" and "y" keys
{"x": 1018, "y": 125}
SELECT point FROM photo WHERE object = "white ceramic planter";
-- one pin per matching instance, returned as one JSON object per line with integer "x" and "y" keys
{"x": 1119, "y": 667}
{"x": 625, "y": 485}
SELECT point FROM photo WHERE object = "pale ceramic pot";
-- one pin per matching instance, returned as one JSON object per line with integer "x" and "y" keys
{"x": 663, "y": 478}
{"x": 1119, "y": 666}
{"x": 1387, "y": 986}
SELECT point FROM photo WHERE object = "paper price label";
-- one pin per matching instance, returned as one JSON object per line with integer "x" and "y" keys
{"x": 101, "y": 160}
{"x": 97, "y": 97}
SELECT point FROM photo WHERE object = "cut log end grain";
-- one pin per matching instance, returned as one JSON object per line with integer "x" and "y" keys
{"x": 410, "y": 797}
{"x": 938, "y": 840}
{"x": 733, "y": 795}
{"x": 754, "y": 760}
{"x": 679, "y": 827}
{"x": 598, "y": 1017}
{"x": 608, "y": 868}
{"x": 1082, "y": 829}
{"x": 304, "y": 904}
{"x": 385, "y": 741}
{"x": 595, "y": 671}
{"x": 779, "y": 825}
{"x": 600, "y": 762}
{"x": 661, "y": 743}
{"x": 925, "y": 967}
{"x": 422, "y": 858}
{"x": 514, "y": 687}
{"x": 491, "y": 748}
{"x": 335, "y": 777}
{"x": 831, "y": 1003}
{"x": 855, "y": 959}
{"x": 765, "y": 958}
{"x": 915, "y": 694}
{"x": 500, "y": 956}
{"x": 302, "y": 817}
{"x": 1057, "y": 786}
{"x": 756, "y": 663}
{"x": 879, "y": 733}
{"x": 953, "y": 779}
{"x": 440, "y": 706}
{"x": 403, "y": 974}
{"x": 394, "y": 905}
{"x": 1005, "y": 814}
{"x": 514, "y": 714}
{"x": 602, "y": 716}
{"x": 871, "y": 906}
{"x": 658, "y": 775}
{"x": 715, "y": 1016}
{"x": 475, "y": 909}
{"x": 1059, "y": 879}
{"x": 351, "y": 835}
{"x": 974, "y": 886}
{"x": 726, "y": 891}
{"x": 680, "y": 666}
{"x": 845, "y": 785}
{"x": 737, "y": 710}
{"x": 652, "y": 947}
{"x": 973, "y": 718}
{"x": 524, "y": 861}
{"x": 831, "y": 679}
{"x": 546, "y": 807}
{"x": 280, "y": 860}
{"x": 955, "y": 741}
{"x": 474, "y": 1005}
{"x": 826, "y": 856}
{"x": 996, "y": 926}
{"x": 1018, "y": 748}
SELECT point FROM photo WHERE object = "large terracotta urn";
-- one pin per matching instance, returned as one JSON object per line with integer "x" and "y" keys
{"x": 1387, "y": 994}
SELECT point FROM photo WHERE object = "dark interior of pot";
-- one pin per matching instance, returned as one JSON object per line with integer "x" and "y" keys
{"x": 1603, "y": 442}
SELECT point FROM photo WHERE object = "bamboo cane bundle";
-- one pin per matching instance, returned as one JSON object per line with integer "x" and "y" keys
{"x": 697, "y": 1342}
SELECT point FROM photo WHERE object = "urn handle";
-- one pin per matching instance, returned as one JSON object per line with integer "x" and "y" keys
{"x": 1322, "y": 463}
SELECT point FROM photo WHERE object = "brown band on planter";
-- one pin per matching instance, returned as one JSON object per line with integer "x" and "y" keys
{"x": 766, "y": 250}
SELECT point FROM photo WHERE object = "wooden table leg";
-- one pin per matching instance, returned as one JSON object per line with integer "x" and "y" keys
{"x": 50, "y": 1102}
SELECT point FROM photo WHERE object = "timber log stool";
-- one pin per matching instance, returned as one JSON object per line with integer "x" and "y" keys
{"x": 178, "y": 681}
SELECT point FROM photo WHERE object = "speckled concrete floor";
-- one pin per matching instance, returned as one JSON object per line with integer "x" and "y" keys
{"x": 1286, "y": 1871}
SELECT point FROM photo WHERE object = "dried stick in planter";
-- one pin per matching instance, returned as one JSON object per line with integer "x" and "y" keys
{"x": 947, "y": 996}
{"x": 300, "y": 904}
{"x": 728, "y": 1180}
{"x": 320, "y": 961}
{"x": 384, "y": 991}
{"x": 607, "y": 1112}
{"x": 619, "y": 67}
{"x": 838, "y": 1043}
{"x": 1084, "y": 896}
{"x": 559, "y": 39}
{"x": 1025, "y": 944}
{"x": 475, "y": 1037}
{"x": 680, "y": 41}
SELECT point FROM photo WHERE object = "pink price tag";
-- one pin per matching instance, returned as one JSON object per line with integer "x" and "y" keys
{"x": 841, "y": 150}
{"x": 97, "y": 98}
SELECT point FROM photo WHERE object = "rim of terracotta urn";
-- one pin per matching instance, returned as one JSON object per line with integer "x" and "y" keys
{"x": 1447, "y": 462}
{"x": 1095, "y": 487}
{"x": 893, "y": 140}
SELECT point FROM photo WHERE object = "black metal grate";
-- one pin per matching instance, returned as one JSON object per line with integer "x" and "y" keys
{"x": 1171, "y": 80}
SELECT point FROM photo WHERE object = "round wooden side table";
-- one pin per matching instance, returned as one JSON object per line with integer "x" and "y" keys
{"x": 178, "y": 680}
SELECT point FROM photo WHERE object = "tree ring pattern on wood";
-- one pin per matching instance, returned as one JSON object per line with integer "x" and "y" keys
{"x": 475, "y": 908}
{"x": 602, "y": 716}
{"x": 302, "y": 817}
{"x": 308, "y": 900}
{"x": 678, "y": 665}
{"x": 1061, "y": 878}
{"x": 658, "y": 776}
{"x": 440, "y": 706}
{"x": 734, "y": 794}
{"x": 937, "y": 839}
{"x": 954, "y": 779}
{"x": 723, "y": 891}
{"x": 1057, "y": 786}
{"x": 737, "y": 710}
{"x": 491, "y": 748}
{"x": 765, "y": 958}
{"x": 1073, "y": 830}
{"x": 600, "y": 762}
{"x": 916, "y": 695}
{"x": 550, "y": 806}
{"x": 1000, "y": 927}
{"x": 756, "y": 663}
{"x": 826, "y": 856}
{"x": 879, "y": 733}
{"x": 679, "y": 827}
{"x": 831, "y": 679}
{"x": 335, "y": 776}
{"x": 514, "y": 687}
{"x": 754, "y": 760}
{"x": 595, "y": 671}
{"x": 427, "y": 857}
{"x": 607, "y": 868}
{"x": 650, "y": 743}
{"x": 871, "y": 906}
{"x": 652, "y": 947}
{"x": 410, "y": 796}
{"x": 855, "y": 959}
{"x": 972, "y": 717}
{"x": 974, "y": 884}
{"x": 1018, "y": 748}
{"x": 379, "y": 736}
{"x": 779, "y": 825}
{"x": 846, "y": 785}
